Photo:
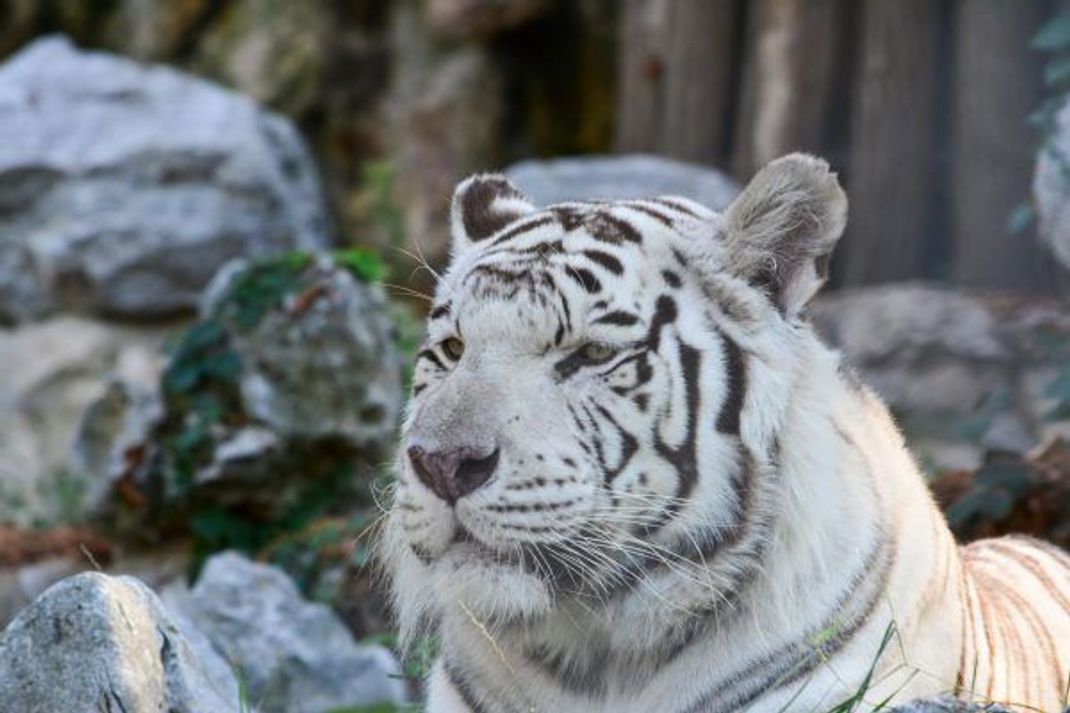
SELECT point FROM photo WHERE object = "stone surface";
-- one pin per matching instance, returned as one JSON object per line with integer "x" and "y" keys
{"x": 1051, "y": 188}
{"x": 323, "y": 364}
{"x": 962, "y": 374}
{"x": 123, "y": 187}
{"x": 294, "y": 656}
{"x": 284, "y": 396}
{"x": 96, "y": 643}
{"x": 61, "y": 367}
{"x": 629, "y": 176}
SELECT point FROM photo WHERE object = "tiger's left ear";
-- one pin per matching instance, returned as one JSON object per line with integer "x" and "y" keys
{"x": 482, "y": 205}
{"x": 782, "y": 228}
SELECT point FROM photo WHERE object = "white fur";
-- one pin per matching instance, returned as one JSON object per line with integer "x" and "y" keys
{"x": 834, "y": 480}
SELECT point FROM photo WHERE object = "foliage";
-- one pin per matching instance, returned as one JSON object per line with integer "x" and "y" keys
{"x": 214, "y": 528}
{"x": 379, "y": 708}
{"x": 974, "y": 427}
{"x": 379, "y": 179}
{"x": 1060, "y": 391}
{"x": 364, "y": 263}
{"x": 202, "y": 391}
{"x": 418, "y": 659}
{"x": 307, "y": 553}
{"x": 1053, "y": 39}
{"x": 261, "y": 287}
{"x": 994, "y": 490}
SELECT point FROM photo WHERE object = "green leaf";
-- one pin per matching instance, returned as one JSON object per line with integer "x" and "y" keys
{"x": 181, "y": 377}
{"x": 224, "y": 366}
{"x": 1054, "y": 35}
{"x": 1015, "y": 478}
{"x": 1020, "y": 218}
{"x": 1057, "y": 71}
{"x": 363, "y": 263}
{"x": 203, "y": 334}
{"x": 377, "y": 708}
{"x": 1059, "y": 389}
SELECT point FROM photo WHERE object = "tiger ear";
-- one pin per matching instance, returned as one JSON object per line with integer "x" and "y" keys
{"x": 482, "y": 205}
{"x": 780, "y": 231}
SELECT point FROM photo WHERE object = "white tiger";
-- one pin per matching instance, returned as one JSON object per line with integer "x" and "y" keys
{"x": 632, "y": 479}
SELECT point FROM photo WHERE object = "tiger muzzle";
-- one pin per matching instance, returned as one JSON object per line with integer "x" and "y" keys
{"x": 452, "y": 474}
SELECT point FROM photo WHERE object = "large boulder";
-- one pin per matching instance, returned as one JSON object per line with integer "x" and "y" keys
{"x": 280, "y": 402}
{"x": 963, "y": 374}
{"x": 57, "y": 369}
{"x": 320, "y": 363}
{"x": 123, "y": 187}
{"x": 294, "y": 656}
{"x": 1051, "y": 188}
{"x": 96, "y": 643}
{"x": 630, "y": 176}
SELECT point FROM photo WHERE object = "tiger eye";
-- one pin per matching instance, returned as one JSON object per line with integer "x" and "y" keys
{"x": 595, "y": 352}
{"x": 453, "y": 348}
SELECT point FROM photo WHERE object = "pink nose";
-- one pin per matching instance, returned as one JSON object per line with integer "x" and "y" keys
{"x": 454, "y": 473}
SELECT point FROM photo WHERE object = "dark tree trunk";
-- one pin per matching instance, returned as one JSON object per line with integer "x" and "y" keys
{"x": 894, "y": 165}
{"x": 677, "y": 80}
{"x": 788, "y": 80}
{"x": 998, "y": 80}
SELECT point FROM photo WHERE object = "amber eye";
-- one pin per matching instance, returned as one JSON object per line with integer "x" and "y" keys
{"x": 453, "y": 348}
{"x": 596, "y": 353}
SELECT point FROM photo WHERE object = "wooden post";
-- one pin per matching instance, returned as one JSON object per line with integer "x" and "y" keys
{"x": 998, "y": 83}
{"x": 894, "y": 167}
{"x": 789, "y": 78}
{"x": 677, "y": 77}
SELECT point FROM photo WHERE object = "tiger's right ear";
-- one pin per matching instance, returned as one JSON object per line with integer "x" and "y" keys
{"x": 482, "y": 205}
{"x": 782, "y": 228}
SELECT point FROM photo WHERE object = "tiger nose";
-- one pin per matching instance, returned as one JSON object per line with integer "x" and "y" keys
{"x": 452, "y": 474}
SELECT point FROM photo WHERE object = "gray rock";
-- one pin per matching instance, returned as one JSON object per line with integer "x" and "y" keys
{"x": 123, "y": 187}
{"x": 325, "y": 369}
{"x": 1051, "y": 188}
{"x": 607, "y": 177}
{"x": 909, "y": 322}
{"x": 61, "y": 368}
{"x": 294, "y": 656}
{"x": 963, "y": 374}
{"x": 288, "y": 388}
{"x": 94, "y": 642}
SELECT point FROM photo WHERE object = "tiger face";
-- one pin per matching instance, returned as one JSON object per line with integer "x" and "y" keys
{"x": 581, "y": 404}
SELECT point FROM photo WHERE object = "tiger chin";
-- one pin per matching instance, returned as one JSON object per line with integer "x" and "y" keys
{"x": 631, "y": 479}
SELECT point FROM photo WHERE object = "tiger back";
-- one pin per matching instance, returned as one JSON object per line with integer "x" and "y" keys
{"x": 631, "y": 478}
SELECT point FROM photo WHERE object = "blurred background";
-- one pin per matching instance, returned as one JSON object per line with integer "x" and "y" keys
{"x": 215, "y": 217}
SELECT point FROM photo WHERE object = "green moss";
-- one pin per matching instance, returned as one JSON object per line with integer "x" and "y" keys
{"x": 262, "y": 287}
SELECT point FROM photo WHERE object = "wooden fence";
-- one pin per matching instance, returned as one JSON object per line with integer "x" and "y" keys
{"x": 921, "y": 105}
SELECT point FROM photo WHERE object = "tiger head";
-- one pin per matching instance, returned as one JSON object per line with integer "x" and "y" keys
{"x": 599, "y": 384}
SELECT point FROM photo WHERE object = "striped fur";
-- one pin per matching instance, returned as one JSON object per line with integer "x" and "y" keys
{"x": 703, "y": 512}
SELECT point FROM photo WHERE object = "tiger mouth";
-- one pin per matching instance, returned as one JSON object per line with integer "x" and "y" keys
{"x": 541, "y": 560}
